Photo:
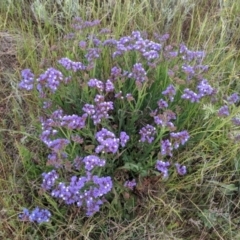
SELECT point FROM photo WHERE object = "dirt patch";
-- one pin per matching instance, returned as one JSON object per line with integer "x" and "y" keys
{"x": 8, "y": 67}
{"x": 8, "y": 60}
{"x": 8, "y": 64}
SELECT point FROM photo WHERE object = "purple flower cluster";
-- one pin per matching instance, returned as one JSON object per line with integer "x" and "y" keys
{"x": 204, "y": 89}
{"x": 71, "y": 65}
{"x": 85, "y": 191}
{"x": 190, "y": 95}
{"x": 94, "y": 83}
{"x": 27, "y": 82}
{"x": 162, "y": 167}
{"x": 166, "y": 148}
{"x": 164, "y": 120}
{"x": 49, "y": 179}
{"x": 37, "y": 215}
{"x": 92, "y": 54}
{"x": 61, "y": 132}
{"x": 92, "y": 161}
{"x": 130, "y": 184}
{"x": 181, "y": 169}
{"x": 234, "y": 98}
{"x": 73, "y": 121}
{"x": 77, "y": 193}
{"x": 179, "y": 138}
{"x": 236, "y": 121}
{"x": 162, "y": 104}
{"x": 170, "y": 92}
{"x": 70, "y": 193}
{"x": 98, "y": 111}
{"x": 80, "y": 24}
{"x": 58, "y": 145}
{"x": 57, "y": 119}
{"x": 138, "y": 73}
{"x": 149, "y": 50}
{"x": 50, "y": 79}
{"x": 189, "y": 55}
{"x": 189, "y": 70}
{"x": 123, "y": 138}
{"x": 147, "y": 133}
{"x": 108, "y": 86}
{"x": 56, "y": 159}
{"x": 107, "y": 141}
{"x": 116, "y": 73}
{"x": 223, "y": 111}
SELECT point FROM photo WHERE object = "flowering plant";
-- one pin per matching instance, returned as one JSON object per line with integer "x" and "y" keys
{"x": 124, "y": 106}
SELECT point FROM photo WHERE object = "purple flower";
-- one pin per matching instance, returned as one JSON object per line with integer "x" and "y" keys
{"x": 24, "y": 216}
{"x": 189, "y": 70}
{"x": 109, "y": 87}
{"x": 170, "y": 92}
{"x": 147, "y": 133}
{"x": 70, "y": 194}
{"x": 162, "y": 104}
{"x": 234, "y": 98}
{"x": 181, "y": 169}
{"x": 94, "y": 83}
{"x": 55, "y": 159}
{"x": 190, "y": 95}
{"x": 116, "y": 72}
{"x": 129, "y": 97}
{"x": 71, "y": 65}
{"x": 138, "y": 73}
{"x": 92, "y": 206}
{"x": 47, "y": 104}
{"x": 110, "y": 42}
{"x": 104, "y": 183}
{"x": 27, "y": 82}
{"x": 162, "y": 167}
{"x": 237, "y": 137}
{"x": 151, "y": 55}
{"x": 82, "y": 44}
{"x": 204, "y": 89}
{"x": 105, "y": 30}
{"x": 58, "y": 145}
{"x": 123, "y": 139}
{"x": 191, "y": 55}
{"x": 108, "y": 141}
{"x": 92, "y": 54}
{"x": 179, "y": 138}
{"x": 50, "y": 79}
{"x": 92, "y": 161}
{"x": 96, "y": 42}
{"x": 79, "y": 24}
{"x": 119, "y": 95}
{"x": 223, "y": 111}
{"x": 89, "y": 109}
{"x": 183, "y": 49}
{"x": 164, "y": 119}
{"x": 49, "y": 179}
{"x": 236, "y": 121}
{"x": 161, "y": 38}
{"x": 37, "y": 215}
{"x": 77, "y": 139}
{"x": 74, "y": 121}
{"x": 130, "y": 184}
{"x": 77, "y": 162}
{"x": 166, "y": 148}
{"x": 102, "y": 110}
